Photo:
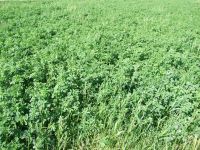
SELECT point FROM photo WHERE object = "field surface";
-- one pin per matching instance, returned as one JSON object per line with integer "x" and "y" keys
{"x": 100, "y": 74}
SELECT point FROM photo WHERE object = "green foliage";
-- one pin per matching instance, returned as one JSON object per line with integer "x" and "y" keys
{"x": 117, "y": 74}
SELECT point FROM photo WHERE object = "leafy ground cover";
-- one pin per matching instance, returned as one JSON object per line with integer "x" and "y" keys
{"x": 100, "y": 74}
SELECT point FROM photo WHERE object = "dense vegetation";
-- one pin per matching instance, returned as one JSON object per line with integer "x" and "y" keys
{"x": 100, "y": 74}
